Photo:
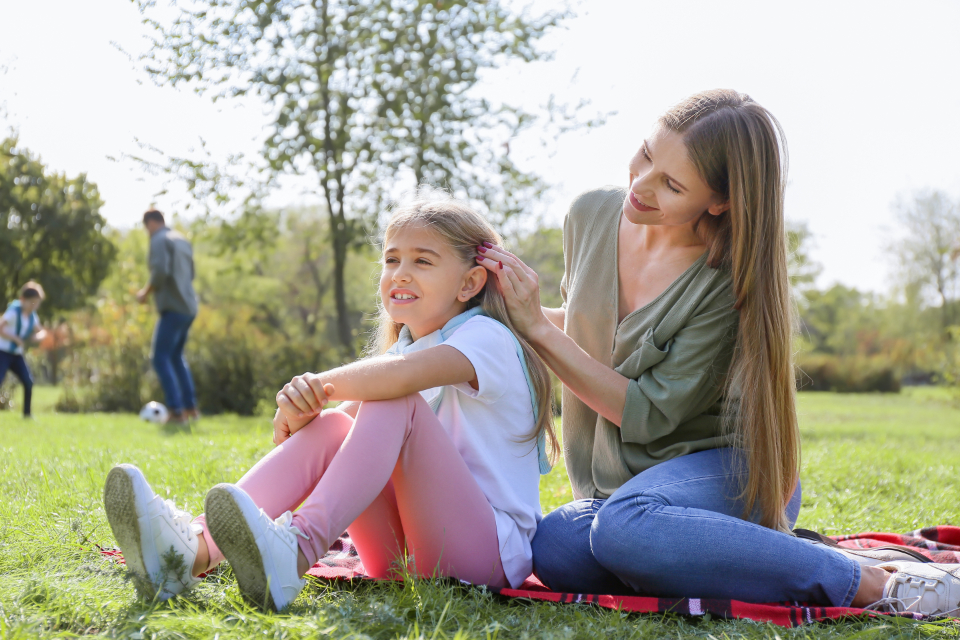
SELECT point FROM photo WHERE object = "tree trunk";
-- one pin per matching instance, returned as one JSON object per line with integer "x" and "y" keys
{"x": 340, "y": 241}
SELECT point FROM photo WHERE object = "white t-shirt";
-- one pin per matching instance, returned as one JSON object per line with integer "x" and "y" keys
{"x": 490, "y": 426}
{"x": 10, "y": 328}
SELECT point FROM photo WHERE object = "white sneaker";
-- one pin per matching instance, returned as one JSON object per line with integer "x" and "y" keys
{"x": 928, "y": 589}
{"x": 262, "y": 552}
{"x": 158, "y": 541}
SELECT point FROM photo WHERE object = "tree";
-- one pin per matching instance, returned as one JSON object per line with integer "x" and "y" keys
{"x": 803, "y": 269}
{"x": 927, "y": 252}
{"x": 364, "y": 95}
{"x": 52, "y": 231}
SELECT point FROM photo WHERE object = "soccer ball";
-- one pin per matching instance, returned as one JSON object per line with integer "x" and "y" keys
{"x": 154, "y": 412}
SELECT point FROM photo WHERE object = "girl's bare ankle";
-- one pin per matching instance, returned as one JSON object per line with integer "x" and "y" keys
{"x": 202, "y": 562}
{"x": 302, "y": 564}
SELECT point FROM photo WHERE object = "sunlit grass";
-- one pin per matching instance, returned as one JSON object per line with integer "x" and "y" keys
{"x": 871, "y": 462}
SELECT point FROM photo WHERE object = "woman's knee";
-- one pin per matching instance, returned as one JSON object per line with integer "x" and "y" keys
{"x": 562, "y": 540}
{"x": 618, "y": 532}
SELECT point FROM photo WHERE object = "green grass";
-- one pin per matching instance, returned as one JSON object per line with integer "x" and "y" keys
{"x": 870, "y": 462}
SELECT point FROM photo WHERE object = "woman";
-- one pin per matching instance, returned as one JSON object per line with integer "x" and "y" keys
{"x": 674, "y": 347}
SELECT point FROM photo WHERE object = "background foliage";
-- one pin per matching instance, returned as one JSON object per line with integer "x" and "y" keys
{"x": 51, "y": 231}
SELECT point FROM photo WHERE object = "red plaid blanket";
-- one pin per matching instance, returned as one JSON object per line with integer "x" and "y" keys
{"x": 940, "y": 544}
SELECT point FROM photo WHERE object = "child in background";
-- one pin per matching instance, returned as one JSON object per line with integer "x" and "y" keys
{"x": 18, "y": 326}
{"x": 434, "y": 456}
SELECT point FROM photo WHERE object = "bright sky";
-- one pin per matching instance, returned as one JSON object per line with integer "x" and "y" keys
{"x": 867, "y": 91}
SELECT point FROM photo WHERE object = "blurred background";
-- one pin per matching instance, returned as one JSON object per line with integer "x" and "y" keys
{"x": 274, "y": 134}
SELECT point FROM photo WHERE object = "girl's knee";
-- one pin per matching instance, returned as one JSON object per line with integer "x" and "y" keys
{"x": 399, "y": 412}
{"x": 329, "y": 422}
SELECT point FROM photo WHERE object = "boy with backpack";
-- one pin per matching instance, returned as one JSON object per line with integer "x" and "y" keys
{"x": 18, "y": 326}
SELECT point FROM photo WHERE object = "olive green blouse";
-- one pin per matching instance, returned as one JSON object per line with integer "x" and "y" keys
{"x": 676, "y": 351}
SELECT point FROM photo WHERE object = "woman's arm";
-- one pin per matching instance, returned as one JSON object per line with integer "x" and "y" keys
{"x": 380, "y": 378}
{"x": 555, "y": 316}
{"x": 661, "y": 388}
{"x": 600, "y": 387}
{"x": 597, "y": 385}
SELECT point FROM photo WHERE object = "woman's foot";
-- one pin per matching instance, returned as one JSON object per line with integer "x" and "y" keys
{"x": 914, "y": 587}
{"x": 263, "y": 553}
{"x": 159, "y": 542}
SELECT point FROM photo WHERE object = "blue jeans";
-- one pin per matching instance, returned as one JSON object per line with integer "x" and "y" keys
{"x": 674, "y": 531}
{"x": 17, "y": 364}
{"x": 169, "y": 339}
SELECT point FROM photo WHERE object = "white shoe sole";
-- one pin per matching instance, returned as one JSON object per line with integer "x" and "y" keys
{"x": 229, "y": 513}
{"x": 125, "y": 495}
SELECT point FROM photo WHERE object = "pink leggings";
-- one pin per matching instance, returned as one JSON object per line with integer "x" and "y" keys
{"x": 391, "y": 478}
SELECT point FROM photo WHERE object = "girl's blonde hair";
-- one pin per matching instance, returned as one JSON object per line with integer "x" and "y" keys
{"x": 463, "y": 230}
{"x": 736, "y": 146}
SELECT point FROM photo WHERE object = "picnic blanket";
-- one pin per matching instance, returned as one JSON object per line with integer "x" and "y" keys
{"x": 940, "y": 544}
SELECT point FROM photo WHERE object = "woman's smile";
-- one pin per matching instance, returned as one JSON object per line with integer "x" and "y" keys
{"x": 639, "y": 206}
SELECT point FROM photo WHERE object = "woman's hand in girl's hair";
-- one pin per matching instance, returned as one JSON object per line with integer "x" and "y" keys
{"x": 304, "y": 396}
{"x": 520, "y": 286}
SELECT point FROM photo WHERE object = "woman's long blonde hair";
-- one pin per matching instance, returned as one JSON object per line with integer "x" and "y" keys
{"x": 463, "y": 230}
{"x": 739, "y": 149}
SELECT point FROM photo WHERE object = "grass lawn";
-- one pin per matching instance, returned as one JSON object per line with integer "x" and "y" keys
{"x": 871, "y": 462}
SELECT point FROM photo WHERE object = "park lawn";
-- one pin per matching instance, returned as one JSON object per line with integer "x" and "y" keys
{"x": 871, "y": 462}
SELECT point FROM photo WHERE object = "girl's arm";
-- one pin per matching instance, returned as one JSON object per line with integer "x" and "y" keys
{"x": 381, "y": 378}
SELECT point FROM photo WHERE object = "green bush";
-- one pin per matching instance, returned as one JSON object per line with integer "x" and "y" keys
{"x": 856, "y": 374}
{"x": 235, "y": 365}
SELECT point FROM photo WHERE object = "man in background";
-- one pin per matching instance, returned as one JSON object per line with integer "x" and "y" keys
{"x": 171, "y": 283}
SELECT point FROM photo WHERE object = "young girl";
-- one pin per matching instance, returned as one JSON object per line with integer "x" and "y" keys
{"x": 433, "y": 460}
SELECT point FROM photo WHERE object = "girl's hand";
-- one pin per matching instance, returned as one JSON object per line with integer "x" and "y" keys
{"x": 520, "y": 286}
{"x": 281, "y": 428}
{"x": 304, "y": 396}
{"x": 285, "y": 426}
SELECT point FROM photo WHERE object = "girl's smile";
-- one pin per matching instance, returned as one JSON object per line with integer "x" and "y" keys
{"x": 425, "y": 283}
{"x": 403, "y": 296}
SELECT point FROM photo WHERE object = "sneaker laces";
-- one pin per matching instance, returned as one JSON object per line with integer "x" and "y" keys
{"x": 890, "y": 603}
{"x": 181, "y": 519}
{"x": 287, "y": 530}
{"x": 903, "y": 580}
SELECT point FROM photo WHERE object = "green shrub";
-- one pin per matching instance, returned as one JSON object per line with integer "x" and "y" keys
{"x": 235, "y": 365}
{"x": 856, "y": 374}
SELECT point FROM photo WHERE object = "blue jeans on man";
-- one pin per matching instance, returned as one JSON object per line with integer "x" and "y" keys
{"x": 169, "y": 339}
{"x": 17, "y": 364}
